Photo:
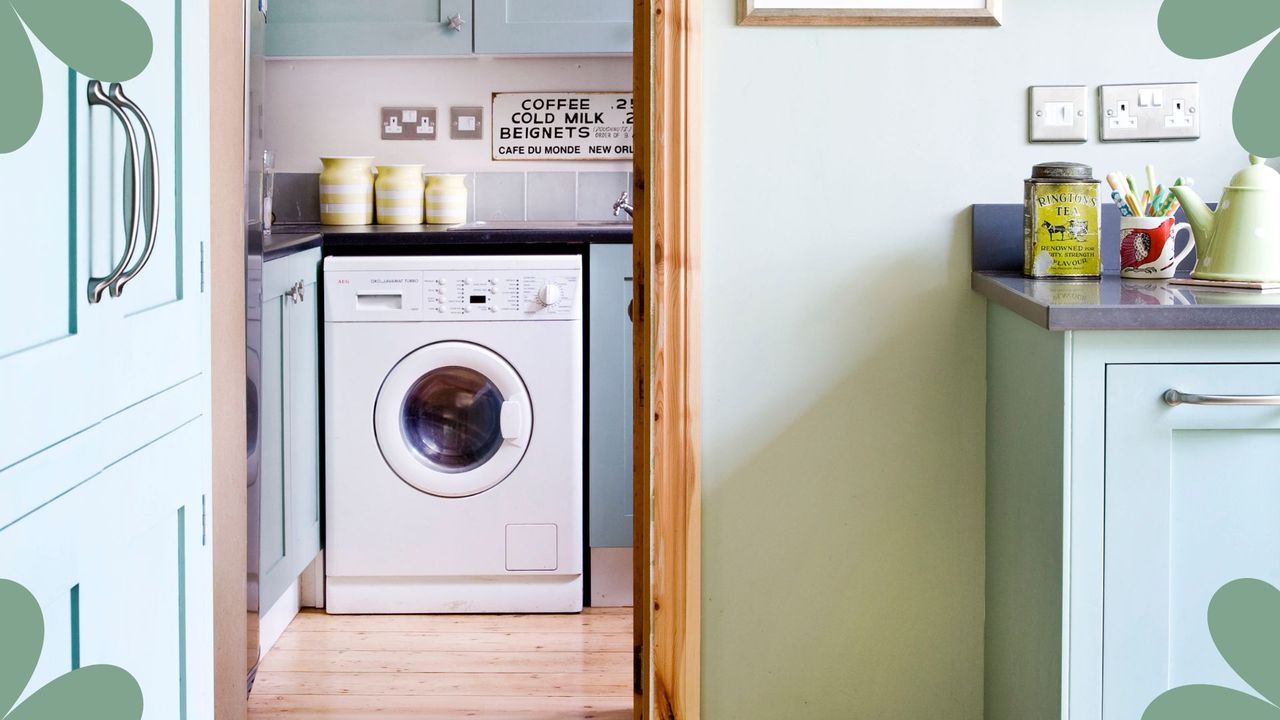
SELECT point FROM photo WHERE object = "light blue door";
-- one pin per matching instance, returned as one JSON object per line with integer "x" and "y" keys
{"x": 553, "y": 26}
{"x": 300, "y": 28}
{"x": 1192, "y": 501}
{"x": 609, "y": 414}
{"x": 104, "y": 428}
{"x": 290, "y": 414}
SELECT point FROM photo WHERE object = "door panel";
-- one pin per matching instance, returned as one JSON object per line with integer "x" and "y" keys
{"x": 274, "y": 448}
{"x": 304, "y": 419}
{"x": 553, "y": 26}
{"x": 610, "y": 413}
{"x": 367, "y": 27}
{"x": 1192, "y": 497}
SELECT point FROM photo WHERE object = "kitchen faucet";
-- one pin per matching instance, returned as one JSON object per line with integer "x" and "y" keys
{"x": 624, "y": 204}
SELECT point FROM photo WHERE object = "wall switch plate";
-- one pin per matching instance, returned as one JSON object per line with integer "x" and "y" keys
{"x": 1059, "y": 114}
{"x": 1149, "y": 112}
{"x": 409, "y": 123}
{"x": 466, "y": 123}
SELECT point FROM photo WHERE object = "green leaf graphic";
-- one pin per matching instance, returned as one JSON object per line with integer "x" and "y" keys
{"x": 103, "y": 39}
{"x": 21, "y": 635}
{"x": 1209, "y": 702}
{"x": 102, "y": 692}
{"x": 1258, "y": 106}
{"x": 1203, "y": 29}
{"x": 1244, "y": 620}
{"x": 20, "y": 83}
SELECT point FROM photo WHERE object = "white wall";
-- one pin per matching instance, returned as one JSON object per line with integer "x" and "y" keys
{"x": 843, "y": 352}
{"x": 320, "y": 107}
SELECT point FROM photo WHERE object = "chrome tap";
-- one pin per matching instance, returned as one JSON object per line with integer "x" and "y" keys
{"x": 623, "y": 204}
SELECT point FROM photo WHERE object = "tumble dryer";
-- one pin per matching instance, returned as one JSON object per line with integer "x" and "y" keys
{"x": 453, "y": 413}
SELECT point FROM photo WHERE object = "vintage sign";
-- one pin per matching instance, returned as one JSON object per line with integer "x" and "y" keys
{"x": 563, "y": 126}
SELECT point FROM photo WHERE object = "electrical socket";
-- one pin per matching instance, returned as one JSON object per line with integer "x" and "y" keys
{"x": 409, "y": 123}
{"x": 1149, "y": 112}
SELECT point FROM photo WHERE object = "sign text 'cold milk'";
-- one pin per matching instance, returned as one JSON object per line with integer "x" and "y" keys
{"x": 562, "y": 126}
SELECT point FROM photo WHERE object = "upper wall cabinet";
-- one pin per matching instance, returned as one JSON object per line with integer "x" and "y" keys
{"x": 301, "y": 28}
{"x": 552, "y": 26}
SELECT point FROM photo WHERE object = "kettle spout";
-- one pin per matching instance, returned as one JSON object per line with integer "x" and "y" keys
{"x": 1198, "y": 213}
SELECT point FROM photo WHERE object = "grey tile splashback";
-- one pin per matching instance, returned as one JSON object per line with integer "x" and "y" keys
{"x": 496, "y": 196}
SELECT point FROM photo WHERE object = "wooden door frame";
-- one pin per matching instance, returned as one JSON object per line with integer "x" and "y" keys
{"x": 668, "y": 494}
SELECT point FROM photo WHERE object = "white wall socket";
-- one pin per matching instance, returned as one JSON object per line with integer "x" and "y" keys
{"x": 1149, "y": 112}
{"x": 1059, "y": 114}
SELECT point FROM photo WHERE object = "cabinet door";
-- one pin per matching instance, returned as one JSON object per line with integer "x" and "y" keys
{"x": 609, "y": 410}
{"x": 290, "y": 478}
{"x": 303, "y": 416}
{"x": 553, "y": 26}
{"x": 298, "y": 28}
{"x": 1192, "y": 496}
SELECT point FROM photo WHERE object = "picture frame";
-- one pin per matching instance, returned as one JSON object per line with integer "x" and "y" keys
{"x": 870, "y": 13}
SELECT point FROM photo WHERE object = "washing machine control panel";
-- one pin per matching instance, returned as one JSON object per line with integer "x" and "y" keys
{"x": 464, "y": 294}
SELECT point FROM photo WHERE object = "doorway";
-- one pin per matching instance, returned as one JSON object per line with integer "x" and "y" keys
{"x": 662, "y": 663}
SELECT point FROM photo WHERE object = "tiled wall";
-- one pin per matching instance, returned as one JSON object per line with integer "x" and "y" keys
{"x": 492, "y": 197}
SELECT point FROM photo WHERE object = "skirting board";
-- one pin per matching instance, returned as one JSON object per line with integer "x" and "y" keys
{"x": 611, "y": 577}
{"x": 274, "y": 621}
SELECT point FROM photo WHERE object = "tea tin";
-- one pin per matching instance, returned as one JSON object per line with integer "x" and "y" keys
{"x": 1062, "y": 222}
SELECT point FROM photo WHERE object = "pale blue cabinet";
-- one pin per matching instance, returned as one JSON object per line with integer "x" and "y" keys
{"x": 1113, "y": 517}
{"x": 514, "y": 27}
{"x": 104, "y": 428}
{"x": 609, "y": 453}
{"x": 300, "y": 28}
{"x": 290, "y": 415}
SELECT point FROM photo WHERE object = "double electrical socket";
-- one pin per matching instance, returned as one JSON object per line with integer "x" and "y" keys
{"x": 1127, "y": 113}
{"x": 409, "y": 123}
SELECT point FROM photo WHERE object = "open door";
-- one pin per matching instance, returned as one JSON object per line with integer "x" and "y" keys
{"x": 668, "y": 510}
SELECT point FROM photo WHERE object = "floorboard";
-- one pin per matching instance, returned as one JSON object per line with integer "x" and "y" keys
{"x": 522, "y": 667}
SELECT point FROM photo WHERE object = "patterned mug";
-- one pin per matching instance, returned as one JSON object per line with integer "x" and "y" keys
{"x": 1147, "y": 247}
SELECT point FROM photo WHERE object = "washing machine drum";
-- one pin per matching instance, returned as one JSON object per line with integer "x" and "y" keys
{"x": 453, "y": 419}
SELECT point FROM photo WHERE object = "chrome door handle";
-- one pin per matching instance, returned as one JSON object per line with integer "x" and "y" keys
{"x": 151, "y": 175}
{"x": 297, "y": 293}
{"x": 456, "y": 22}
{"x": 99, "y": 285}
{"x": 1173, "y": 398}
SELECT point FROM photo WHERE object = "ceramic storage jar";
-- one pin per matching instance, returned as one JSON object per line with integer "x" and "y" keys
{"x": 346, "y": 191}
{"x": 398, "y": 194}
{"x": 446, "y": 200}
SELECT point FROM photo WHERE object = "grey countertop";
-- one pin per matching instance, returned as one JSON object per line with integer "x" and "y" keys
{"x": 1111, "y": 303}
{"x": 1114, "y": 303}
{"x": 280, "y": 244}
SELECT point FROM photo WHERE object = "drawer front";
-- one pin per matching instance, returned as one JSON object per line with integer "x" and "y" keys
{"x": 1192, "y": 502}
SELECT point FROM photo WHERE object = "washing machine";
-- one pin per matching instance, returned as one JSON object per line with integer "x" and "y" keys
{"x": 453, "y": 429}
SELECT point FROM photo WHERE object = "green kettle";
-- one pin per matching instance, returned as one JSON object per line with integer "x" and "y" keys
{"x": 1241, "y": 241}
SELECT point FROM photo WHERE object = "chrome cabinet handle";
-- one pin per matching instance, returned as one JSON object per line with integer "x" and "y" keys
{"x": 297, "y": 293}
{"x": 1173, "y": 398}
{"x": 151, "y": 176}
{"x": 456, "y": 22}
{"x": 99, "y": 285}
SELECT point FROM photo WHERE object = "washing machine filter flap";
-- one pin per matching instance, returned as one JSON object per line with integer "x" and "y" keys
{"x": 453, "y": 419}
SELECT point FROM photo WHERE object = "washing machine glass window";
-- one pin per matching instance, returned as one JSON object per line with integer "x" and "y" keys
{"x": 453, "y": 419}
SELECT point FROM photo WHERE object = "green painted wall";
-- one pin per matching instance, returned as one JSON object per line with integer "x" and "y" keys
{"x": 844, "y": 354}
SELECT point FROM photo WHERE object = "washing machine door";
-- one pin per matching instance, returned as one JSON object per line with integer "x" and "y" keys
{"x": 453, "y": 419}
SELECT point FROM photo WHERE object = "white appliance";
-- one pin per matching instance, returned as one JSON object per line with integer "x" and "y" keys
{"x": 453, "y": 413}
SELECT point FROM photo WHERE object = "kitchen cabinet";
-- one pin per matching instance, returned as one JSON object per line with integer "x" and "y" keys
{"x": 290, "y": 413}
{"x": 609, "y": 412}
{"x": 299, "y": 28}
{"x": 513, "y": 27}
{"x": 1113, "y": 517}
{"x": 104, "y": 433}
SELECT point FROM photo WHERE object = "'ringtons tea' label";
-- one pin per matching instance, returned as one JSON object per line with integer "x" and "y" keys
{"x": 1062, "y": 230}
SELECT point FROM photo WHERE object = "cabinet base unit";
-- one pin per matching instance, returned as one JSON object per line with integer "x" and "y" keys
{"x": 1116, "y": 510}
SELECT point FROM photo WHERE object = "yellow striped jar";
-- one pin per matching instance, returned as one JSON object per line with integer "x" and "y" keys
{"x": 398, "y": 194}
{"x": 346, "y": 191}
{"x": 446, "y": 200}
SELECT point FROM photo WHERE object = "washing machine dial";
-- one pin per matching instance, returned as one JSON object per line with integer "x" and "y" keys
{"x": 549, "y": 295}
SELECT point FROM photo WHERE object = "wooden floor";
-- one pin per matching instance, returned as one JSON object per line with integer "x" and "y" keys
{"x": 522, "y": 667}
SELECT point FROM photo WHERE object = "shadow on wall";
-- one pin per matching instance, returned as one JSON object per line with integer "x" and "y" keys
{"x": 875, "y": 496}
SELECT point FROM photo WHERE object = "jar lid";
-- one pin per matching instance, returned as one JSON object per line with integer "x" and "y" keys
{"x": 1061, "y": 171}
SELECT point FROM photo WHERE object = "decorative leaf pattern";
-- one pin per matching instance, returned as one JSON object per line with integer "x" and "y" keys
{"x": 1204, "y": 29}
{"x": 102, "y": 39}
{"x": 96, "y": 691}
{"x": 1244, "y": 621}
